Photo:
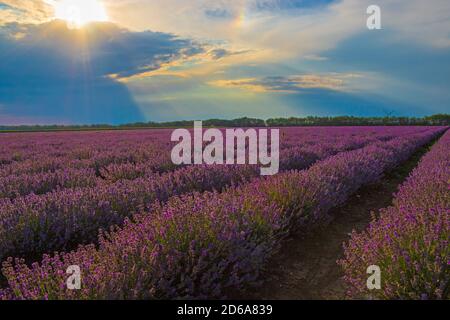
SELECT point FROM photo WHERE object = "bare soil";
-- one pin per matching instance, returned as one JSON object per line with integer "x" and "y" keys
{"x": 305, "y": 268}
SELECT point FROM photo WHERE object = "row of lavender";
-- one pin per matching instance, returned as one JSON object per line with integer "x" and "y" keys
{"x": 23, "y": 147}
{"x": 95, "y": 163}
{"x": 37, "y": 153}
{"x": 36, "y": 224}
{"x": 201, "y": 245}
{"x": 410, "y": 240}
{"x": 17, "y": 148}
{"x": 25, "y": 152}
{"x": 94, "y": 151}
{"x": 84, "y": 167}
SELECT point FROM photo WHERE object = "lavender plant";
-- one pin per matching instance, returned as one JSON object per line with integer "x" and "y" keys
{"x": 409, "y": 241}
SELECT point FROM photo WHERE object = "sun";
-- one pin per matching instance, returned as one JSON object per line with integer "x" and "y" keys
{"x": 77, "y": 13}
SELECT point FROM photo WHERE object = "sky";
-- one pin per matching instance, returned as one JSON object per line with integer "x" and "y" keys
{"x": 122, "y": 61}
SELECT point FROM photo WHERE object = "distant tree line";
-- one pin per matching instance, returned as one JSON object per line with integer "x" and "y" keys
{"x": 434, "y": 120}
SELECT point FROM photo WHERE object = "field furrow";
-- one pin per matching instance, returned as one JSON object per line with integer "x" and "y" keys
{"x": 410, "y": 239}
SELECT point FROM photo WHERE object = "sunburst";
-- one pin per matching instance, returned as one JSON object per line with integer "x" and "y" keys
{"x": 78, "y": 13}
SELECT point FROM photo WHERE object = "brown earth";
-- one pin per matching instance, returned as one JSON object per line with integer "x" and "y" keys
{"x": 305, "y": 268}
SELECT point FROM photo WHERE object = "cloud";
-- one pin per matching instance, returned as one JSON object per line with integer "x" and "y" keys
{"x": 220, "y": 13}
{"x": 281, "y": 28}
{"x": 201, "y": 60}
{"x": 24, "y": 11}
{"x": 422, "y": 22}
{"x": 106, "y": 48}
{"x": 314, "y": 57}
{"x": 288, "y": 84}
{"x": 271, "y": 5}
{"x": 54, "y": 71}
{"x": 220, "y": 53}
{"x": 291, "y": 26}
{"x": 287, "y": 29}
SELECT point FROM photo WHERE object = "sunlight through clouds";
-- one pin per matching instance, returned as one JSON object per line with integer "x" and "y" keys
{"x": 206, "y": 56}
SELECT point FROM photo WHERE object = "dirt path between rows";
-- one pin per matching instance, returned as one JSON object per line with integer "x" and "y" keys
{"x": 306, "y": 268}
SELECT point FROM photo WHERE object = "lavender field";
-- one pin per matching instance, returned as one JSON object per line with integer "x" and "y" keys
{"x": 140, "y": 227}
